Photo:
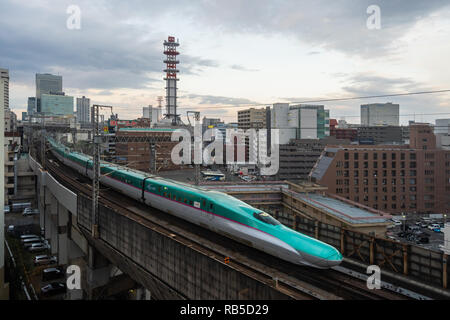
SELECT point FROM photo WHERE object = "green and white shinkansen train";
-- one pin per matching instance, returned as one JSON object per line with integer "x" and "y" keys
{"x": 213, "y": 210}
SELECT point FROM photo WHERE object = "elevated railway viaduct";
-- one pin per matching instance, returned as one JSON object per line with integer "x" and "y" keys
{"x": 159, "y": 256}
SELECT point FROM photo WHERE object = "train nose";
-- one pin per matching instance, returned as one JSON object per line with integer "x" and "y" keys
{"x": 333, "y": 258}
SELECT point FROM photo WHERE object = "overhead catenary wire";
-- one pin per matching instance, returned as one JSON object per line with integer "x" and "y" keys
{"x": 242, "y": 105}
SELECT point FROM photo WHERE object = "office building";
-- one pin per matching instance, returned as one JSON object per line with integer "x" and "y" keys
{"x": 151, "y": 113}
{"x": 56, "y": 104}
{"x": 297, "y": 158}
{"x": 252, "y": 118}
{"x": 83, "y": 110}
{"x": 410, "y": 179}
{"x": 3, "y": 289}
{"x": 300, "y": 121}
{"x": 47, "y": 84}
{"x": 380, "y": 135}
{"x": 442, "y": 132}
{"x": 4, "y": 83}
{"x": 380, "y": 114}
{"x": 31, "y": 107}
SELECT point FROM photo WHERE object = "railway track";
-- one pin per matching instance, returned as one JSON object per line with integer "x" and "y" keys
{"x": 294, "y": 281}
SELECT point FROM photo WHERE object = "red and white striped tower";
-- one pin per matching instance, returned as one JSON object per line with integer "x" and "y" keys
{"x": 170, "y": 50}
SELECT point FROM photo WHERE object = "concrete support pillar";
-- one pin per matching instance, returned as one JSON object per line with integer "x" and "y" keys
{"x": 54, "y": 208}
{"x": 63, "y": 219}
{"x": 47, "y": 213}
{"x": 143, "y": 294}
{"x": 98, "y": 272}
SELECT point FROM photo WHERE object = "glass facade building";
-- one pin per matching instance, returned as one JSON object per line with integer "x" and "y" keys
{"x": 56, "y": 104}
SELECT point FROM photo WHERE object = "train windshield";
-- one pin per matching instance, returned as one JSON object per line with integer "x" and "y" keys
{"x": 265, "y": 217}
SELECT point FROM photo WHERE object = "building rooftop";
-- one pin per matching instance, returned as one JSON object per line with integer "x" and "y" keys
{"x": 147, "y": 129}
{"x": 341, "y": 209}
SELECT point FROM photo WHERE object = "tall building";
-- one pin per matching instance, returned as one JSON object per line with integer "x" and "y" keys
{"x": 3, "y": 290}
{"x": 252, "y": 118}
{"x": 47, "y": 83}
{"x": 56, "y": 104}
{"x": 4, "y": 83}
{"x": 380, "y": 135}
{"x": 376, "y": 114}
{"x": 83, "y": 109}
{"x": 442, "y": 132}
{"x": 297, "y": 158}
{"x": 31, "y": 108}
{"x": 151, "y": 113}
{"x": 300, "y": 121}
{"x": 412, "y": 178}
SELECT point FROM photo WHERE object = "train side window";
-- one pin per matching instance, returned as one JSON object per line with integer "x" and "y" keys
{"x": 265, "y": 217}
{"x": 191, "y": 202}
{"x": 211, "y": 206}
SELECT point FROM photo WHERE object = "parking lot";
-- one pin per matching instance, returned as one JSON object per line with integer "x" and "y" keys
{"x": 31, "y": 274}
{"x": 435, "y": 239}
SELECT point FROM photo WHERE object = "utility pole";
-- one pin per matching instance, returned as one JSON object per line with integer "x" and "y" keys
{"x": 96, "y": 140}
{"x": 152, "y": 158}
{"x": 43, "y": 142}
{"x": 196, "y": 165}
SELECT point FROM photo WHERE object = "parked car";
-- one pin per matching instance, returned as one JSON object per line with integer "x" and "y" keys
{"x": 44, "y": 260}
{"x": 434, "y": 226}
{"x": 11, "y": 229}
{"x": 40, "y": 246}
{"x": 423, "y": 240}
{"x": 53, "y": 288}
{"x": 401, "y": 234}
{"x": 30, "y": 212}
{"x": 7, "y": 209}
{"x": 423, "y": 224}
{"x": 438, "y": 230}
{"x": 397, "y": 222}
{"x": 414, "y": 228}
{"x": 28, "y": 236}
{"x": 29, "y": 242}
{"x": 17, "y": 207}
{"x": 52, "y": 274}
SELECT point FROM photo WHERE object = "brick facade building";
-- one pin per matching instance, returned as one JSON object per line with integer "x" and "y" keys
{"x": 412, "y": 178}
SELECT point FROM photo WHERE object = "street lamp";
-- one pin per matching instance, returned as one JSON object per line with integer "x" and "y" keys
{"x": 404, "y": 222}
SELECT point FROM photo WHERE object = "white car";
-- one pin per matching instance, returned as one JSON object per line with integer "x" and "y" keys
{"x": 434, "y": 226}
{"x": 38, "y": 247}
{"x": 397, "y": 222}
{"x": 30, "y": 212}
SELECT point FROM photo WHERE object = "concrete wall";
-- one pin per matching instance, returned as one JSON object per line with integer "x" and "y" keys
{"x": 168, "y": 268}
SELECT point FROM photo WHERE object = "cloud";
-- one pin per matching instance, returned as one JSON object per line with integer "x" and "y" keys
{"x": 242, "y": 68}
{"x": 218, "y": 100}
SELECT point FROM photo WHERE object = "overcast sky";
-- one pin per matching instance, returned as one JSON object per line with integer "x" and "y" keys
{"x": 233, "y": 52}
